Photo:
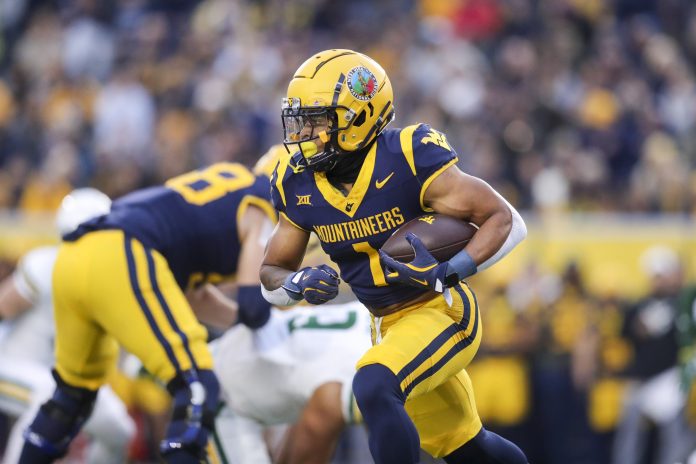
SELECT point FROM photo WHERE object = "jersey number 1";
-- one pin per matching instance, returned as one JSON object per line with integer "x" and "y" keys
{"x": 375, "y": 265}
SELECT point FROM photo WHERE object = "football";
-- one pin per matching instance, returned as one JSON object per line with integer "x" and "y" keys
{"x": 444, "y": 236}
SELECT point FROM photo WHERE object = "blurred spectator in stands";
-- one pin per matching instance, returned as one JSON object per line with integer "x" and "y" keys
{"x": 653, "y": 427}
{"x": 46, "y": 188}
{"x": 39, "y": 51}
{"x": 686, "y": 325}
{"x": 660, "y": 180}
{"x": 598, "y": 361}
{"x": 12, "y": 177}
{"x": 500, "y": 372}
{"x": 89, "y": 47}
{"x": 124, "y": 123}
{"x": 562, "y": 434}
{"x": 124, "y": 116}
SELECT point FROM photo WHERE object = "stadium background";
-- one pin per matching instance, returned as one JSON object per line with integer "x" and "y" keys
{"x": 581, "y": 112}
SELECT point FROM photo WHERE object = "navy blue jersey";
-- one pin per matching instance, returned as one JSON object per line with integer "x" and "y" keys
{"x": 387, "y": 193}
{"x": 191, "y": 220}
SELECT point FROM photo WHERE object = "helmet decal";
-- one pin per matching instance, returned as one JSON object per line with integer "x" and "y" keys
{"x": 362, "y": 83}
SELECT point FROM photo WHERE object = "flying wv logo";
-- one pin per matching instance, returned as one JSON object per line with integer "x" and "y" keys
{"x": 304, "y": 200}
{"x": 437, "y": 138}
{"x": 428, "y": 219}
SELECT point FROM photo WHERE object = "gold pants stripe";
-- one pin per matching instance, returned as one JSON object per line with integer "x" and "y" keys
{"x": 453, "y": 339}
{"x": 165, "y": 307}
{"x": 135, "y": 287}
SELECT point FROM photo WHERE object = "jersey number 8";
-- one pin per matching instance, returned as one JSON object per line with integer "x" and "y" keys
{"x": 204, "y": 186}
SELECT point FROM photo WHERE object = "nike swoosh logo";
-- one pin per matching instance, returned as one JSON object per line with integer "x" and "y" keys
{"x": 422, "y": 282}
{"x": 379, "y": 184}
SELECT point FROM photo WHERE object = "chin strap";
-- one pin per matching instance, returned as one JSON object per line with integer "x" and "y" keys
{"x": 307, "y": 150}
{"x": 348, "y": 166}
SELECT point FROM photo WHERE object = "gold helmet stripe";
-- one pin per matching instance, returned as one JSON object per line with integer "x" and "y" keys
{"x": 319, "y": 66}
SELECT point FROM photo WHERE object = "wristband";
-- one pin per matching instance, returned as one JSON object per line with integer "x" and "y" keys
{"x": 459, "y": 267}
{"x": 278, "y": 297}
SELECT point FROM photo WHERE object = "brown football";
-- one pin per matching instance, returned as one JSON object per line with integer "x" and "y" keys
{"x": 444, "y": 236}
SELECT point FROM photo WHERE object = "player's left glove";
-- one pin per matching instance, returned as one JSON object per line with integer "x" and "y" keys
{"x": 425, "y": 271}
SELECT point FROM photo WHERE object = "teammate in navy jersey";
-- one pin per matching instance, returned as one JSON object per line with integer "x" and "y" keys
{"x": 123, "y": 279}
{"x": 353, "y": 182}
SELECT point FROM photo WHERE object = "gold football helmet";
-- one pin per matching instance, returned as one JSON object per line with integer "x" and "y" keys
{"x": 268, "y": 161}
{"x": 342, "y": 97}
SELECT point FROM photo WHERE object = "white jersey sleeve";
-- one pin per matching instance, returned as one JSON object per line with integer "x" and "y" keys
{"x": 269, "y": 374}
{"x": 34, "y": 272}
{"x": 30, "y": 335}
{"x": 238, "y": 440}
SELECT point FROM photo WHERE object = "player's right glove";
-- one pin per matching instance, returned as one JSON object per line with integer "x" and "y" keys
{"x": 316, "y": 285}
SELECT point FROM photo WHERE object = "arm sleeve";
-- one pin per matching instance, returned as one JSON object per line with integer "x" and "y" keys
{"x": 33, "y": 274}
{"x": 277, "y": 191}
{"x": 518, "y": 232}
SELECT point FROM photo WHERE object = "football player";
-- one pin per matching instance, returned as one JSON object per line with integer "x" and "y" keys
{"x": 298, "y": 370}
{"x": 353, "y": 182}
{"x": 121, "y": 279}
{"x": 27, "y": 331}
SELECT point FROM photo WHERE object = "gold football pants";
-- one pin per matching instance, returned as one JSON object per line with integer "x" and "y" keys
{"x": 108, "y": 289}
{"x": 427, "y": 346}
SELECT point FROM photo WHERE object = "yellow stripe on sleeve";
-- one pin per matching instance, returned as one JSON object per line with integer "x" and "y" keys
{"x": 285, "y": 216}
{"x": 263, "y": 204}
{"x": 280, "y": 174}
{"x": 406, "y": 139}
{"x": 429, "y": 180}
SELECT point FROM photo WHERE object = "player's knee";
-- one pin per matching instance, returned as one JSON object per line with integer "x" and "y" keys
{"x": 196, "y": 397}
{"x": 487, "y": 448}
{"x": 60, "y": 418}
{"x": 374, "y": 386}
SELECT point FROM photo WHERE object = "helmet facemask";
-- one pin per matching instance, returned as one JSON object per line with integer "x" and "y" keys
{"x": 322, "y": 122}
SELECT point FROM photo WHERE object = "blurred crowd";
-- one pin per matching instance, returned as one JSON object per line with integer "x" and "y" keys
{"x": 560, "y": 104}
{"x": 577, "y": 377}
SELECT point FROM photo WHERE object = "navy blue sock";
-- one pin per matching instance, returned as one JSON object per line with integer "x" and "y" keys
{"x": 191, "y": 423}
{"x": 393, "y": 438}
{"x": 487, "y": 448}
{"x": 182, "y": 457}
{"x": 57, "y": 422}
{"x": 46, "y": 439}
